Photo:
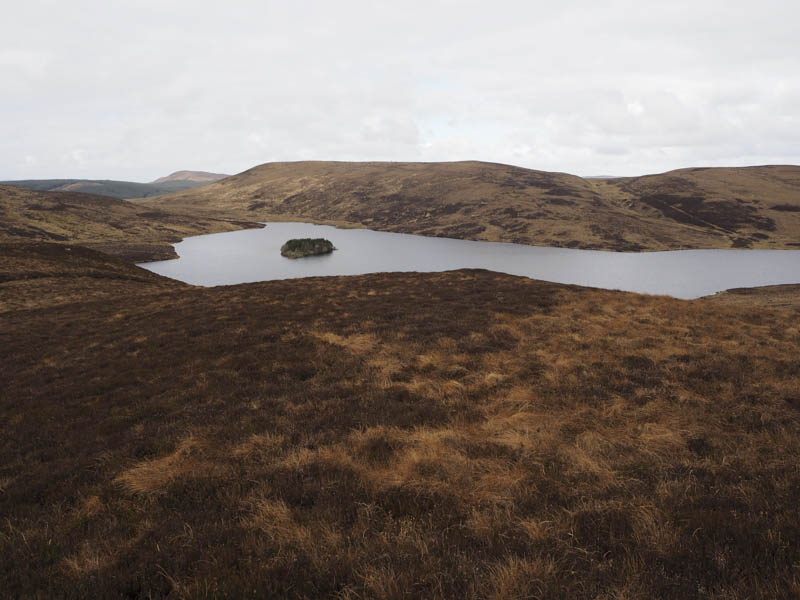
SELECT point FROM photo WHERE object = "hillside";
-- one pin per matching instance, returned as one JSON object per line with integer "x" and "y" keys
{"x": 753, "y": 207}
{"x": 442, "y": 435}
{"x": 193, "y": 176}
{"x": 135, "y": 232}
{"x": 41, "y": 274}
{"x": 120, "y": 189}
{"x": 769, "y": 296}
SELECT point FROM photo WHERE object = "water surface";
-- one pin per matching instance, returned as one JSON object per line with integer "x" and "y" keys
{"x": 254, "y": 255}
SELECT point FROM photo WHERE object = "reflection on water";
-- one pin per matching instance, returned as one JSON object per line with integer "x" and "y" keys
{"x": 254, "y": 255}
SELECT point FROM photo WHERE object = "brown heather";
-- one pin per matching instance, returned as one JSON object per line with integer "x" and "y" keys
{"x": 741, "y": 207}
{"x": 456, "y": 435}
{"x": 110, "y": 225}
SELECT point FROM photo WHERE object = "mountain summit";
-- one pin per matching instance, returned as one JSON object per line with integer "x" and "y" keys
{"x": 199, "y": 176}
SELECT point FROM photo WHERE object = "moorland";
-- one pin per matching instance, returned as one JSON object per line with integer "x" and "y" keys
{"x": 111, "y": 225}
{"x": 745, "y": 207}
{"x": 431, "y": 435}
{"x": 462, "y": 434}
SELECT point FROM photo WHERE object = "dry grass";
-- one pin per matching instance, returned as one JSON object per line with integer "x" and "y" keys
{"x": 770, "y": 296}
{"x": 404, "y": 437}
{"x": 107, "y": 224}
{"x": 47, "y": 275}
{"x": 750, "y": 207}
{"x": 153, "y": 475}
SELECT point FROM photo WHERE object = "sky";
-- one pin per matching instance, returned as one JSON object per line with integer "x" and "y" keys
{"x": 137, "y": 89}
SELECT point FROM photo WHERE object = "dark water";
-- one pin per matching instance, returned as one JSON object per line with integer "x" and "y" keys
{"x": 254, "y": 255}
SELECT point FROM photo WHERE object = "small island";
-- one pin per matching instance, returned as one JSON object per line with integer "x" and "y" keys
{"x": 299, "y": 248}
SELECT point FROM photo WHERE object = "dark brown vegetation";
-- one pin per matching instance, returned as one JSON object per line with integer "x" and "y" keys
{"x": 45, "y": 274}
{"x": 750, "y": 207}
{"x": 735, "y": 202}
{"x": 113, "y": 226}
{"x": 298, "y": 248}
{"x": 453, "y": 435}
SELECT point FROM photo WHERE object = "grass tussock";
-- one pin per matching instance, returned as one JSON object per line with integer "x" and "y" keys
{"x": 272, "y": 440}
{"x": 149, "y": 476}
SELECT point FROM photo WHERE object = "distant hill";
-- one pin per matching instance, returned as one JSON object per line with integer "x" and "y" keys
{"x": 180, "y": 180}
{"x": 748, "y": 207}
{"x": 196, "y": 176}
{"x": 112, "y": 225}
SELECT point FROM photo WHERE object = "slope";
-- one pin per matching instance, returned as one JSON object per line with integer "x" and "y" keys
{"x": 349, "y": 438}
{"x": 757, "y": 207}
{"x": 751, "y": 206}
{"x": 115, "y": 226}
{"x": 192, "y": 176}
{"x": 107, "y": 187}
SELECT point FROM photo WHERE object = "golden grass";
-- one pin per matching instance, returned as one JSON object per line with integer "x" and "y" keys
{"x": 114, "y": 226}
{"x": 84, "y": 562}
{"x": 153, "y": 475}
{"x": 571, "y": 443}
{"x": 753, "y": 207}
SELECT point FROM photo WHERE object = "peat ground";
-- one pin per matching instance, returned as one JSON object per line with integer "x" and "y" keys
{"x": 453, "y": 435}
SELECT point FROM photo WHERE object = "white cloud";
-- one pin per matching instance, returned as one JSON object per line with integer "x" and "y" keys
{"x": 623, "y": 87}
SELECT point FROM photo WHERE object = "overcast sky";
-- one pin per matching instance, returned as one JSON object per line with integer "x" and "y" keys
{"x": 136, "y": 89}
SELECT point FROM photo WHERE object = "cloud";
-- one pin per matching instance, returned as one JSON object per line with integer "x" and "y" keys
{"x": 142, "y": 89}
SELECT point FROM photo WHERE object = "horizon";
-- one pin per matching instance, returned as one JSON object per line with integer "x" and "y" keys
{"x": 217, "y": 172}
{"x": 575, "y": 88}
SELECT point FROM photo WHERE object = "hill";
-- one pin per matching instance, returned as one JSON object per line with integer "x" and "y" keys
{"x": 769, "y": 296}
{"x": 194, "y": 176}
{"x": 41, "y": 274}
{"x": 181, "y": 180}
{"x": 752, "y": 207}
{"x": 442, "y": 435}
{"x": 115, "y": 226}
